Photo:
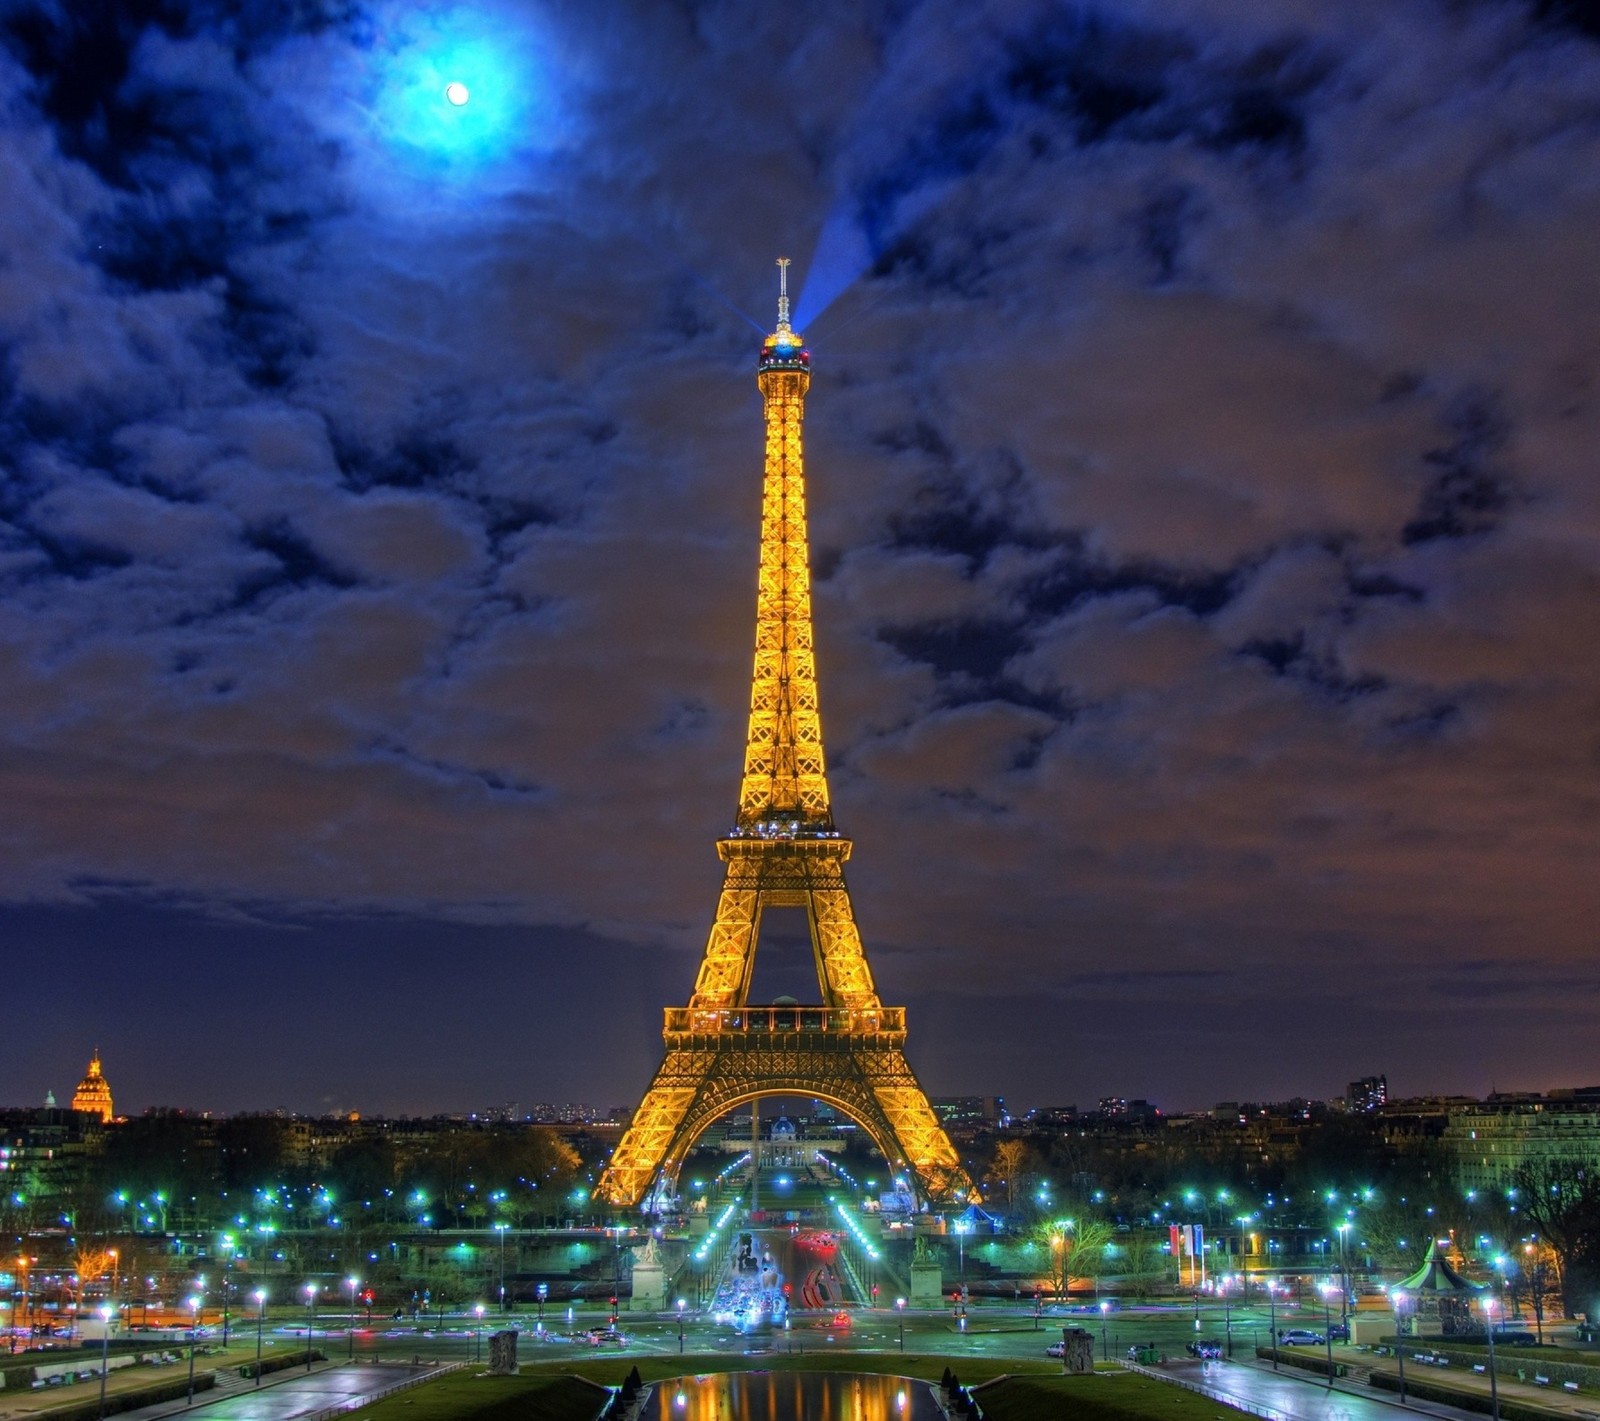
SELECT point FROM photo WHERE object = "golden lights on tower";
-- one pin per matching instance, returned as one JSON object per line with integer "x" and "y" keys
{"x": 783, "y": 851}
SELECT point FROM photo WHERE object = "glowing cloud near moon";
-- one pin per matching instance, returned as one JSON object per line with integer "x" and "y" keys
{"x": 459, "y": 92}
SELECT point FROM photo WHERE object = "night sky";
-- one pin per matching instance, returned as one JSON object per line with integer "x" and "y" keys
{"x": 1205, "y": 512}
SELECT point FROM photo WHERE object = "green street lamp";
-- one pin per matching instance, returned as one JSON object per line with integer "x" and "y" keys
{"x": 261, "y": 1314}
{"x": 107, "y": 1312}
{"x": 311, "y": 1298}
{"x": 350, "y": 1331}
{"x": 501, "y": 1230}
{"x": 194, "y": 1321}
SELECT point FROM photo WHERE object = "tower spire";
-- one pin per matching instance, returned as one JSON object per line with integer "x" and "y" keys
{"x": 783, "y": 293}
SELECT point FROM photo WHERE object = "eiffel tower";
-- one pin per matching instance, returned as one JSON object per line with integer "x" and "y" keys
{"x": 722, "y": 1050}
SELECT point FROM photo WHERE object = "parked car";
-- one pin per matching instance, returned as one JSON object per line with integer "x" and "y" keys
{"x": 1056, "y": 1349}
{"x": 1339, "y": 1331}
{"x": 1301, "y": 1337}
{"x": 1206, "y": 1351}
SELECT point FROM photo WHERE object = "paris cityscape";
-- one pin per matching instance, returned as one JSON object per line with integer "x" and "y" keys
{"x": 1159, "y": 444}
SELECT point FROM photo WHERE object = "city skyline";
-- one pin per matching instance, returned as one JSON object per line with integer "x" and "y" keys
{"x": 1203, "y": 525}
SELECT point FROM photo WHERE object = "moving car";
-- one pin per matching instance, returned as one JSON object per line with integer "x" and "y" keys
{"x": 1206, "y": 1351}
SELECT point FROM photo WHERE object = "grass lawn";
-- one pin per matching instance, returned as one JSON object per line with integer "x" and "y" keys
{"x": 1124, "y": 1396}
{"x": 1031, "y": 1389}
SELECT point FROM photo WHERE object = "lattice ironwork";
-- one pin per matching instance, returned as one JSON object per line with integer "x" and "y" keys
{"x": 784, "y": 851}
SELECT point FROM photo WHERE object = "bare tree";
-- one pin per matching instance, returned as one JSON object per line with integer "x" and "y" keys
{"x": 1561, "y": 1199}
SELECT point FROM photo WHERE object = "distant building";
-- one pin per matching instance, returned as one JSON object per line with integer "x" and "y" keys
{"x": 1493, "y": 1139}
{"x": 1117, "y": 1107}
{"x": 1368, "y": 1093}
{"x": 970, "y": 1109}
{"x": 93, "y": 1095}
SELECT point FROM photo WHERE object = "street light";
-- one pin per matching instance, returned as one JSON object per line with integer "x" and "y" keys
{"x": 501, "y": 1230}
{"x": 1344, "y": 1274}
{"x": 261, "y": 1316}
{"x": 194, "y": 1318}
{"x": 1105, "y": 1346}
{"x": 680, "y": 1326}
{"x": 1327, "y": 1330}
{"x": 1398, "y": 1299}
{"x": 107, "y": 1312}
{"x": 543, "y": 1291}
{"x": 1272, "y": 1307}
{"x": 478, "y": 1308}
{"x": 226, "y": 1245}
{"x": 1494, "y": 1390}
{"x": 900, "y": 1309}
{"x": 350, "y": 1331}
{"x": 311, "y": 1298}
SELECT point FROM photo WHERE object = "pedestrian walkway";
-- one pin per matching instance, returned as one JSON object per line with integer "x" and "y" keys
{"x": 340, "y": 1386}
{"x": 1295, "y": 1395}
{"x": 1284, "y": 1396}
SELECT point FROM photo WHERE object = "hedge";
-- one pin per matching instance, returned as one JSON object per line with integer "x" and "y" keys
{"x": 280, "y": 1363}
{"x": 1463, "y": 1400}
{"x": 1319, "y": 1365}
{"x": 130, "y": 1400}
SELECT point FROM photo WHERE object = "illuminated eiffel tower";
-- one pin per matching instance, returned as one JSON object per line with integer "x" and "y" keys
{"x": 783, "y": 851}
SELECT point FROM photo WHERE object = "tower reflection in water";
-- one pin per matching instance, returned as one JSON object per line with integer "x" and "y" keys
{"x": 791, "y": 1396}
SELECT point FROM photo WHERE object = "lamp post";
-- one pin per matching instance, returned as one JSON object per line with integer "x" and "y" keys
{"x": 478, "y": 1309}
{"x": 194, "y": 1318}
{"x": 107, "y": 1312}
{"x": 261, "y": 1317}
{"x": 1105, "y": 1346}
{"x": 227, "y": 1278}
{"x": 900, "y": 1312}
{"x": 1344, "y": 1274}
{"x": 680, "y": 1326}
{"x": 21, "y": 1286}
{"x": 1327, "y": 1330}
{"x": 1272, "y": 1312}
{"x": 1399, "y": 1339}
{"x": 311, "y": 1299}
{"x": 543, "y": 1291}
{"x": 961, "y": 1226}
{"x": 501, "y": 1230}
{"x": 1494, "y": 1389}
{"x": 350, "y": 1331}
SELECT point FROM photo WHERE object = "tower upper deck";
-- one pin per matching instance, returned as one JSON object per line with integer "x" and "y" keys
{"x": 784, "y": 789}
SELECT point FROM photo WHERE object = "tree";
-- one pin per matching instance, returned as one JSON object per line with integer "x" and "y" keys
{"x": 1011, "y": 1157}
{"x": 1141, "y": 1258}
{"x": 1073, "y": 1248}
{"x": 1561, "y": 1199}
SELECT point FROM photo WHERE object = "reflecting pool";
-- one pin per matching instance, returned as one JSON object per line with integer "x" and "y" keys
{"x": 791, "y": 1396}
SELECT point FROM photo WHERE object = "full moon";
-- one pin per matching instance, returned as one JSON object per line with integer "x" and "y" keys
{"x": 457, "y": 93}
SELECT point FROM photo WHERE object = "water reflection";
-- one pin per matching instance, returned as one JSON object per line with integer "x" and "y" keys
{"x": 791, "y": 1396}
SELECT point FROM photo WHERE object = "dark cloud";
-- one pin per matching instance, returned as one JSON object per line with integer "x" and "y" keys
{"x": 1202, "y": 448}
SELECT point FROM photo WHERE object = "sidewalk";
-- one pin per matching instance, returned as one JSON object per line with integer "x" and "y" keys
{"x": 328, "y": 1386}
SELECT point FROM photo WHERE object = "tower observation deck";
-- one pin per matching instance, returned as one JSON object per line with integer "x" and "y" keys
{"x": 783, "y": 850}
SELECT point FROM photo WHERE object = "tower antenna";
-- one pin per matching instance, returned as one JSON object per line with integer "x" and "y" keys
{"x": 783, "y": 293}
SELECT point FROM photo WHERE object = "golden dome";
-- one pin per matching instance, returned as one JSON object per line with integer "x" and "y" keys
{"x": 93, "y": 1095}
